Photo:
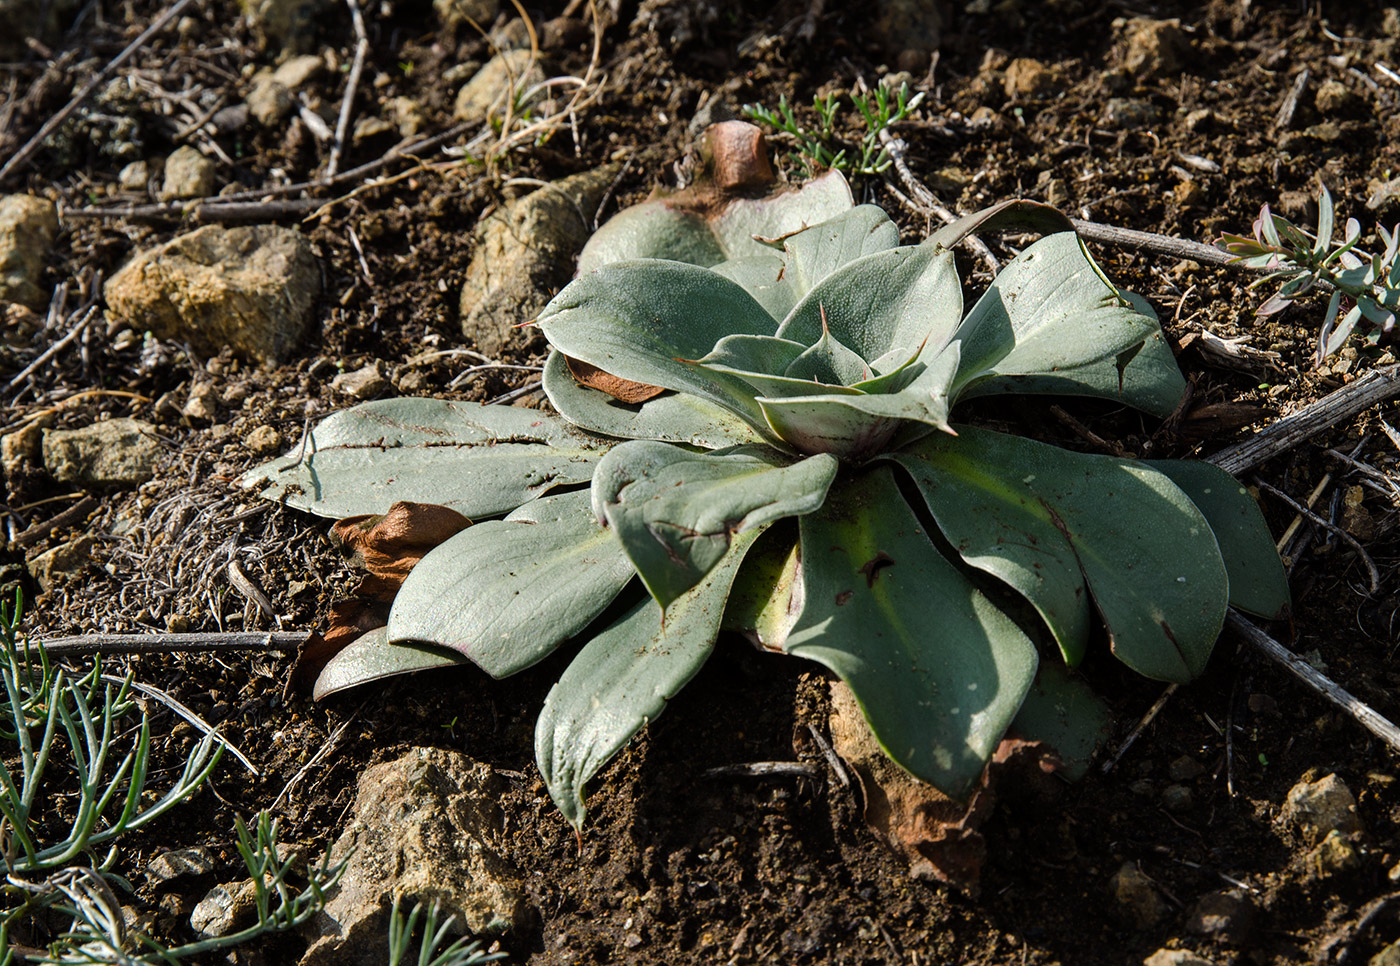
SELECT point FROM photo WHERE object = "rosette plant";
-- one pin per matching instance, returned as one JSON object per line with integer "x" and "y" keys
{"x": 771, "y": 452}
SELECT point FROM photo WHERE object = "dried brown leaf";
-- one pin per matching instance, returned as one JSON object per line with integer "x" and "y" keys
{"x": 623, "y": 390}
{"x": 389, "y": 546}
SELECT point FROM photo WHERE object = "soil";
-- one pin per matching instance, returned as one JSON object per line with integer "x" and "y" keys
{"x": 679, "y": 865}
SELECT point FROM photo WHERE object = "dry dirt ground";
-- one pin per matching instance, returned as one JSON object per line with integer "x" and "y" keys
{"x": 677, "y": 866}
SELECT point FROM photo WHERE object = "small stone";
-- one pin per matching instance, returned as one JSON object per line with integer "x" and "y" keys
{"x": 561, "y": 32}
{"x": 407, "y": 115}
{"x": 113, "y": 452}
{"x": 180, "y": 863}
{"x": 1335, "y": 854}
{"x": 298, "y": 70}
{"x": 1175, "y": 957}
{"x": 270, "y": 102}
{"x": 1129, "y": 113}
{"x": 264, "y": 441}
{"x": 1226, "y": 916}
{"x": 22, "y": 451}
{"x": 485, "y": 94}
{"x": 62, "y": 561}
{"x": 457, "y": 13}
{"x": 367, "y": 382}
{"x": 1139, "y": 904}
{"x": 284, "y": 24}
{"x": 902, "y": 25}
{"x": 1185, "y": 768}
{"x": 248, "y": 288}
{"x": 1151, "y": 47}
{"x": 202, "y": 405}
{"x": 370, "y": 127}
{"x": 225, "y": 908}
{"x": 1320, "y": 807}
{"x": 1389, "y": 956}
{"x": 178, "y": 623}
{"x": 134, "y": 177}
{"x": 188, "y": 174}
{"x": 1334, "y": 98}
{"x": 1177, "y": 798}
{"x": 28, "y": 226}
{"x": 1188, "y": 194}
{"x": 1383, "y": 196}
{"x": 230, "y": 120}
{"x": 1028, "y": 77}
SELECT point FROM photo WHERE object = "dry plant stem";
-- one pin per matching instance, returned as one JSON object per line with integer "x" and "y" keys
{"x": 1138, "y": 729}
{"x": 73, "y": 514}
{"x": 924, "y": 198}
{"x": 1374, "y": 722}
{"x": 1149, "y": 242}
{"x": 1330, "y": 527}
{"x": 33, "y": 144}
{"x": 287, "y": 642}
{"x": 766, "y": 769}
{"x": 321, "y": 754}
{"x": 174, "y": 704}
{"x": 54, "y": 349}
{"x": 1376, "y": 386}
{"x": 342, "y": 124}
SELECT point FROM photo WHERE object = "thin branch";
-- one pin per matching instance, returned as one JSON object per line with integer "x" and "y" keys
{"x": 342, "y": 124}
{"x": 174, "y": 704}
{"x": 1330, "y": 527}
{"x": 1370, "y": 719}
{"x": 73, "y": 514}
{"x": 1150, "y": 242}
{"x": 924, "y": 198}
{"x": 54, "y": 349}
{"x": 80, "y": 644}
{"x": 1138, "y": 729}
{"x": 34, "y": 143}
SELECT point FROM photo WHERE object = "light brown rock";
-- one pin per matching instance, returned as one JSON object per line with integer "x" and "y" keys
{"x": 505, "y": 75}
{"x": 1135, "y": 896}
{"x": 188, "y": 174}
{"x": 1320, "y": 807}
{"x": 113, "y": 452}
{"x": 28, "y": 226}
{"x": 1152, "y": 47}
{"x": 524, "y": 253}
{"x": 250, "y": 288}
{"x": 1028, "y": 77}
{"x": 64, "y": 560}
{"x": 458, "y": 13}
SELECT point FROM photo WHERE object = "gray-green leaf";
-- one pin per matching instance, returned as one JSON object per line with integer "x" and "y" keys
{"x": 370, "y": 657}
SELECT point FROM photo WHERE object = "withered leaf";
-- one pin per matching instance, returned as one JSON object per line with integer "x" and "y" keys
{"x": 389, "y": 546}
{"x": 623, "y": 390}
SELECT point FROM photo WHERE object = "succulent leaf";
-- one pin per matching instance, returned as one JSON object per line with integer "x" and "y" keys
{"x": 674, "y": 417}
{"x": 676, "y": 512}
{"x": 479, "y": 460}
{"x": 506, "y": 593}
{"x": 623, "y": 679}
{"x": 1064, "y": 712}
{"x": 938, "y": 670}
{"x": 824, "y": 248}
{"x": 1145, "y": 551}
{"x": 370, "y": 657}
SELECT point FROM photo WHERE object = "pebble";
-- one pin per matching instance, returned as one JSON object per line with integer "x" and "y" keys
{"x": 1320, "y": 807}
{"x": 111, "y": 452}
{"x": 188, "y": 174}
{"x": 225, "y": 908}
{"x": 264, "y": 441}
{"x": 1227, "y": 916}
{"x": 1127, "y": 113}
{"x": 1333, "y": 97}
{"x": 297, "y": 71}
{"x": 367, "y": 382}
{"x": 178, "y": 864}
{"x": 270, "y": 102}
{"x": 1185, "y": 768}
{"x": 485, "y": 94}
{"x": 1335, "y": 854}
{"x": 134, "y": 176}
{"x": 28, "y": 226}
{"x": 64, "y": 560}
{"x": 1028, "y": 77}
{"x": 1138, "y": 903}
{"x": 1175, "y": 957}
{"x": 203, "y": 403}
{"x": 1177, "y": 798}
{"x": 1151, "y": 46}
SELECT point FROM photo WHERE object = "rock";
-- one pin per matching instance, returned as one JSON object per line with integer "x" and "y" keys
{"x": 523, "y": 253}
{"x": 1185, "y": 768}
{"x": 21, "y": 452}
{"x": 1175, "y": 957}
{"x": 264, "y": 441}
{"x": 1177, "y": 798}
{"x": 202, "y": 405}
{"x": 1333, "y": 98}
{"x": 367, "y": 382}
{"x": 426, "y": 827}
{"x": 1383, "y": 196}
{"x": 64, "y": 560}
{"x": 564, "y": 32}
{"x": 1390, "y": 22}
{"x": 1389, "y": 956}
{"x": 1128, "y": 113}
{"x": 298, "y": 70}
{"x": 407, "y": 115}
{"x": 370, "y": 127}
{"x": 225, "y": 908}
{"x": 902, "y": 25}
{"x": 1139, "y": 904}
{"x": 1151, "y": 47}
{"x": 1226, "y": 916}
{"x": 248, "y": 288}
{"x": 113, "y": 452}
{"x": 485, "y": 94}
{"x": 134, "y": 177}
{"x": 1335, "y": 854}
{"x": 27, "y": 229}
{"x": 1028, "y": 77}
{"x": 284, "y": 24}
{"x": 188, "y": 174}
{"x": 19, "y": 323}
{"x": 179, "y": 864}
{"x": 270, "y": 101}
{"x": 1320, "y": 807}
{"x": 456, "y": 13}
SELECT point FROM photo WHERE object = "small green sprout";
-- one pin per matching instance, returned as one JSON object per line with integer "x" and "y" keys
{"x": 819, "y": 149}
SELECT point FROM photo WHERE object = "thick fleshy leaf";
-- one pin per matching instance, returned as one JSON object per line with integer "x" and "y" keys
{"x": 506, "y": 593}
{"x": 370, "y": 657}
{"x": 762, "y": 603}
{"x": 819, "y": 251}
{"x": 938, "y": 670}
{"x": 860, "y": 426}
{"x": 1064, "y": 713}
{"x": 764, "y": 277}
{"x": 892, "y": 301}
{"x": 753, "y": 353}
{"x": 623, "y": 678}
{"x": 829, "y": 363}
{"x": 1147, "y": 554}
{"x": 676, "y": 512}
{"x": 1049, "y": 309}
{"x": 1258, "y": 582}
{"x": 641, "y": 320}
{"x": 1015, "y": 215}
{"x": 479, "y": 460}
{"x": 674, "y": 417}
{"x": 665, "y": 229}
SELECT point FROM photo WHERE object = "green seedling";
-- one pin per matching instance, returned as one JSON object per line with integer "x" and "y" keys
{"x": 820, "y": 149}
